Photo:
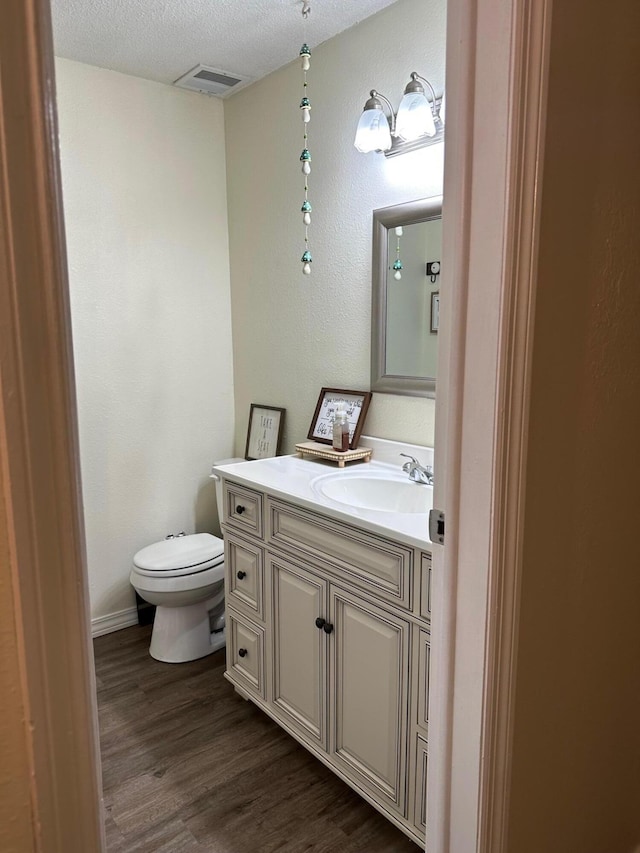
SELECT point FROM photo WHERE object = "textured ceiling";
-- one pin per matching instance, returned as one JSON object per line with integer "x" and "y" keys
{"x": 163, "y": 39}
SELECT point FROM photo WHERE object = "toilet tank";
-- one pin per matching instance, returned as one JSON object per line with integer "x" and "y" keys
{"x": 218, "y": 482}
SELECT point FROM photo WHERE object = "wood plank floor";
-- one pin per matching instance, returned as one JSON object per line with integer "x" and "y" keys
{"x": 190, "y": 767}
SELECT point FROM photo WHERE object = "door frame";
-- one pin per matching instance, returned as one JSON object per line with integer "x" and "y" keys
{"x": 496, "y": 107}
{"x": 495, "y": 121}
{"x": 39, "y": 460}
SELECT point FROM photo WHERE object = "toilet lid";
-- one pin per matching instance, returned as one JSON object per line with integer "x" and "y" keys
{"x": 180, "y": 553}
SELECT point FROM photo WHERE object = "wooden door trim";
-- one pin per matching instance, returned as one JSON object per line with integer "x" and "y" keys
{"x": 39, "y": 462}
{"x": 496, "y": 75}
{"x": 527, "y": 109}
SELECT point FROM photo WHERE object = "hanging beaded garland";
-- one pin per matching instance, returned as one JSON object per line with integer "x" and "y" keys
{"x": 397, "y": 264}
{"x": 305, "y": 157}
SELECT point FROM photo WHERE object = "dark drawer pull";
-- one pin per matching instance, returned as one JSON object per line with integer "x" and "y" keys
{"x": 242, "y": 652}
{"x": 328, "y": 628}
{"x": 240, "y": 509}
{"x": 320, "y": 622}
{"x": 241, "y": 575}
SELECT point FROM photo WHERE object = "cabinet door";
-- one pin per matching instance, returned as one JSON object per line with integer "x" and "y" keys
{"x": 299, "y": 598}
{"x": 369, "y": 666}
{"x": 420, "y": 762}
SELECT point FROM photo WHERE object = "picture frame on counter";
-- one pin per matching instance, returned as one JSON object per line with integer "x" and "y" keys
{"x": 264, "y": 433}
{"x": 355, "y": 403}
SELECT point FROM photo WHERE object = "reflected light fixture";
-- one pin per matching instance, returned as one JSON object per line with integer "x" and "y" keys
{"x": 418, "y": 122}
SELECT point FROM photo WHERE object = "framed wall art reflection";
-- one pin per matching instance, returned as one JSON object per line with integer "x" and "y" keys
{"x": 435, "y": 311}
{"x": 264, "y": 434}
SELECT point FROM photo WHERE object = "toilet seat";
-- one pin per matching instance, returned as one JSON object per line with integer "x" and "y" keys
{"x": 179, "y": 552}
{"x": 176, "y": 573}
{"x": 184, "y": 555}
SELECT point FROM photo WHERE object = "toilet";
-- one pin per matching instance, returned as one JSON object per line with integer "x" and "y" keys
{"x": 183, "y": 576}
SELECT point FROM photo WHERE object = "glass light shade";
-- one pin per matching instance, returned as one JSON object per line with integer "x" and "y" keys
{"x": 415, "y": 118}
{"x": 373, "y": 132}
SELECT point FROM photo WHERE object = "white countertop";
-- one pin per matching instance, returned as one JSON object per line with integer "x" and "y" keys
{"x": 292, "y": 478}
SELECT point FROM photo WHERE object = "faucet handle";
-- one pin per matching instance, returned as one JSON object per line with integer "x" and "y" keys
{"x": 412, "y": 458}
{"x": 408, "y": 465}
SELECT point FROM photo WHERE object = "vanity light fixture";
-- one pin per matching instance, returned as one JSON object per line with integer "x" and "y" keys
{"x": 418, "y": 122}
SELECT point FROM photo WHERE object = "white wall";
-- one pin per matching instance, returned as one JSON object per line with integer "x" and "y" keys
{"x": 294, "y": 334}
{"x": 143, "y": 169}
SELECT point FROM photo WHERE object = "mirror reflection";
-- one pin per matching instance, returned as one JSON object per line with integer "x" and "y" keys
{"x": 407, "y": 247}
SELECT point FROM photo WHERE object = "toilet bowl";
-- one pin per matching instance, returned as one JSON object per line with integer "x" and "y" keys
{"x": 184, "y": 577}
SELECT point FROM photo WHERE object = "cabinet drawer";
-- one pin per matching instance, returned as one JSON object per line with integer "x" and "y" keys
{"x": 424, "y": 662}
{"x": 370, "y": 562}
{"x": 425, "y": 586}
{"x": 244, "y": 564}
{"x": 243, "y": 509}
{"x": 420, "y": 794}
{"x": 245, "y": 653}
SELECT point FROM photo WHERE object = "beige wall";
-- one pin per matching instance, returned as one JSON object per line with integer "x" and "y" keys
{"x": 144, "y": 182}
{"x": 576, "y": 771}
{"x": 294, "y": 334}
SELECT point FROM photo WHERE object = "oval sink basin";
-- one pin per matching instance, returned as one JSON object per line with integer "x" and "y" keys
{"x": 380, "y": 492}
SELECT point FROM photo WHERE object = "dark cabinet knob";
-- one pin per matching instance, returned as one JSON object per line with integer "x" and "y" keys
{"x": 328, "y": 627}
{"x": 242, "y": 653}
{"x": 320, "y": 622}
{"x": 241, "y": 575}
{"x": 239, "y": 509}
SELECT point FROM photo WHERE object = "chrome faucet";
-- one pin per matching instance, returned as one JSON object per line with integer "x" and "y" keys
{"x": 417, "y": 472}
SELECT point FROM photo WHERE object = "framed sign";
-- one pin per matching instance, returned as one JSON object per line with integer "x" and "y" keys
{"x": 355, "y": 403}
{"x": 264, "y": 435}
{"x": 435, "y": 311}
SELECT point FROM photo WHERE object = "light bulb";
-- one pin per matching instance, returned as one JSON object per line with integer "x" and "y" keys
{"x": 306, "y": 269}
{"x": 373, "y": 132}
{"x": 414, "y": 118}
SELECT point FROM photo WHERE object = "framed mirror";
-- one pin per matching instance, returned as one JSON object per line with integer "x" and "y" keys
{"x": 407, "y": 246}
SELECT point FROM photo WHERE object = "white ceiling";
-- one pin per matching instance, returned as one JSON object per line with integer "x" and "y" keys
{"x": 163, "y": 39}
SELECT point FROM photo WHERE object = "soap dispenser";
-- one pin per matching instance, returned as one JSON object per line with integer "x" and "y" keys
{"x": 340, "y": 430}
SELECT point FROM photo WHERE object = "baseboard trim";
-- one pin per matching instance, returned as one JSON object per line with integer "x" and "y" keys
{"x": 114, "y": 622}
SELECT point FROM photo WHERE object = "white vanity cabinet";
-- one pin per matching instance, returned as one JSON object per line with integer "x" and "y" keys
{"x": 329, "y": 634}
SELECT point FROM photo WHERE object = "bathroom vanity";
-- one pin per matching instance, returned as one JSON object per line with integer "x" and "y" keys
{"x": 328, "y": 618}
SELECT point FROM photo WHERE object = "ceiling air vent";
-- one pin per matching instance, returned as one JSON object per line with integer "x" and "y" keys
{"x": 209, "y": 81}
